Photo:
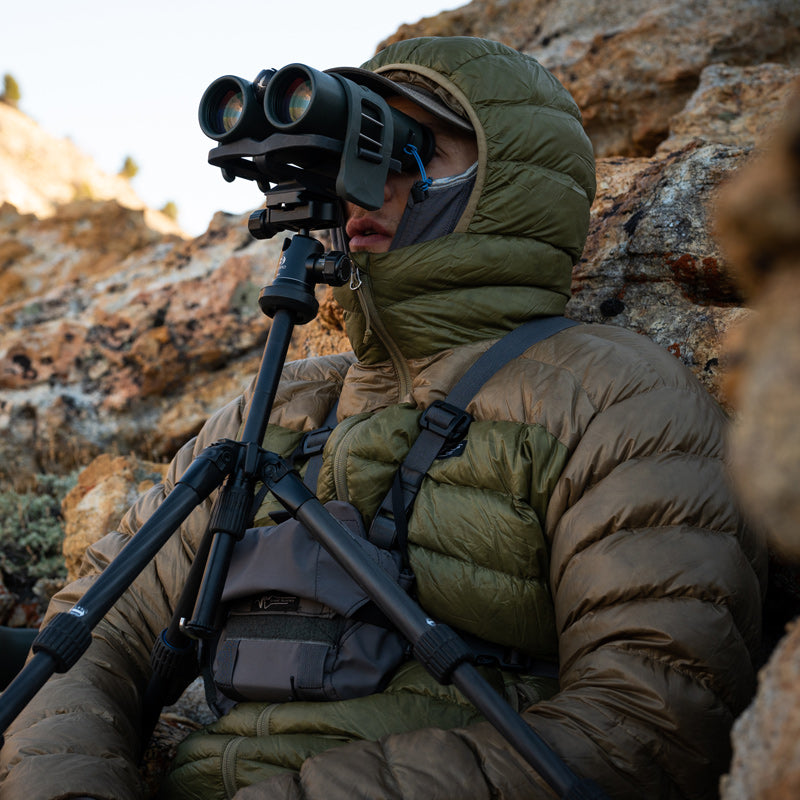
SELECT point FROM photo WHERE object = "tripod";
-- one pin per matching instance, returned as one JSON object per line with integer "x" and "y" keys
{"x": 236, "y": 467}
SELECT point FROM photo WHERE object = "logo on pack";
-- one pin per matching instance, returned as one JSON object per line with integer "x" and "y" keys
{"x": 277, "y": 603}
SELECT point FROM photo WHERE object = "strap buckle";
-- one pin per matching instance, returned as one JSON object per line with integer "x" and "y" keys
{"x": 383, "y": 531}
{"x": 313, "y": 442}
{"x": 445, "y": 420}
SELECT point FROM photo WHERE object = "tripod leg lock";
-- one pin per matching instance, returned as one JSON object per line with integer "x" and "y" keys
{"x": 440, "y": 650}
{"x": 235, "y": 510}
{"x": 65, "y": 639}
{"x": 174, "y": 666}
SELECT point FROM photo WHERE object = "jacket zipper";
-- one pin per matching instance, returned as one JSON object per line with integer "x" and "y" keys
{"x": 340, "y": 458}
{"x": 375, "y": 325}
{"x": 228, "y": 765}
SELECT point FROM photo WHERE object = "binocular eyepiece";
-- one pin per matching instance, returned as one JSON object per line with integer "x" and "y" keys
{"x": 322, "y": 129}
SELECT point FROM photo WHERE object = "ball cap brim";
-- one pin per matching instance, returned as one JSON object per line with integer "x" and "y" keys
{"x": 388, "y": 88}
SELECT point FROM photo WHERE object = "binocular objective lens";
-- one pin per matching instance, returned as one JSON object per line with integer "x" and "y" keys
{"x": 296, "y": 100}
{"x": 229, "y": 111}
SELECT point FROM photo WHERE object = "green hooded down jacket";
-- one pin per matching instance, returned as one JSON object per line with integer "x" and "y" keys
{"x": 588, "y": 520}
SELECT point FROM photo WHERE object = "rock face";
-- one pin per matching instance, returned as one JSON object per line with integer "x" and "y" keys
{"x": 758, "y": 226}
{"x": 104, "y": 492}
{"x": 767, "y": 736}
{"x": 40, "y": 173}
{"x": 631, "y": 66}
{"x": 123, "y": 340}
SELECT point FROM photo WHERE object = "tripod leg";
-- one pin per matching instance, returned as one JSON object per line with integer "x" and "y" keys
{"x": 68, "y": 635}
{"x": 288, "y": 301}
{"x": 174, "y": 655}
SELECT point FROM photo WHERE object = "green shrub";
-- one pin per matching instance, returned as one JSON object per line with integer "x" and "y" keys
{"x": 32, "y": 532}
{"x": 82, "y": 190}
{"x": 130, "y": 168}
{"x": 11, "y": 93}
{"x": 170, "y": 210}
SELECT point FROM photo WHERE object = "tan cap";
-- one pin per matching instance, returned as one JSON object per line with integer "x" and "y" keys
{"x": 403, "y": 88}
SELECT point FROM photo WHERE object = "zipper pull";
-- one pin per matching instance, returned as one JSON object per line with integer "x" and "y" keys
{"x": 368, "y": 328}
{"x": 355, "y": 286}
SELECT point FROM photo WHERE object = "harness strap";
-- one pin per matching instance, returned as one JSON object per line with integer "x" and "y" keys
{"x": 446, "y": 422}
{"x": 312, "y": 444}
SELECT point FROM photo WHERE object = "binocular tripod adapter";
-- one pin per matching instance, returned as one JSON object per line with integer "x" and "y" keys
{"x": 330, "y": 134}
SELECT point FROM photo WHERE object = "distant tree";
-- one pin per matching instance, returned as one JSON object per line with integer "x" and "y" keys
{"x": 11, "y": 93}
{"x": 170, "y": 210}
{"x": 129, "y": 168}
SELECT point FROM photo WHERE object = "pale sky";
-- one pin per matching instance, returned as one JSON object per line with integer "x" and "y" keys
{"x": 123, "y": 79}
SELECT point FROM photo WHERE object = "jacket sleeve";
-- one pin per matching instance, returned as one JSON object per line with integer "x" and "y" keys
{"x": 80, "y": 734}
{"x": 657, "y": 588}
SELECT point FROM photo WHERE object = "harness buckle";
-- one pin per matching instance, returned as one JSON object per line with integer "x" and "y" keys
{"x": 446, "y": 420}
{"x": 314, "y": 441}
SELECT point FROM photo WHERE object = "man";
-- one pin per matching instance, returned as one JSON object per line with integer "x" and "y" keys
{"x": 587, "y": 521}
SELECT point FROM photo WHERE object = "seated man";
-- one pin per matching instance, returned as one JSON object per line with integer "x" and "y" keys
{"x": 586, "y": 522}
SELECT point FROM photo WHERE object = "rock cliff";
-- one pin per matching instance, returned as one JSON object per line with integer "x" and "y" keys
{"x": 116, "y": 337}
{"x": 631, "y": 66}
{"x": 39, "y": 173}
{"x": 757, "y": 224}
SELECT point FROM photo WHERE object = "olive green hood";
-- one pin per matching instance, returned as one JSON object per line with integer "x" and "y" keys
{"x": 510, "y": 257}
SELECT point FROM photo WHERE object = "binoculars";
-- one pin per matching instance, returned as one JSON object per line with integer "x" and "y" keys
{"x": 321, "y": 130}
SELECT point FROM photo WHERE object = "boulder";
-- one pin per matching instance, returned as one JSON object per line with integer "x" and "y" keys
{"x": 766, "y": 737}
{"x": 105, "y": 490}
{"x": 757, "y": 225}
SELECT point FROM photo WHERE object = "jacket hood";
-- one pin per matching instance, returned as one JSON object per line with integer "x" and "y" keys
{"x": 511, "y": 253}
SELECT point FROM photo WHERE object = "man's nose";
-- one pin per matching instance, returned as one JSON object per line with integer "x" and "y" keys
{"x": 391, "y": 187}
{"x": 389, "y": 190}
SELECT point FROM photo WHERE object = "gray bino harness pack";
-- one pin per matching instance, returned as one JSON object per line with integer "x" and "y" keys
{"x": 295, "y": 625}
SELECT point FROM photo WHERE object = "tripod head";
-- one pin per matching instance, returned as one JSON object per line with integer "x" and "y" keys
{"x": 303, "y": 264}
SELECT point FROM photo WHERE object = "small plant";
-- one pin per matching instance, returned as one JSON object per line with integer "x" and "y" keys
{"x": 11, "y": 94}
{"x": 32, "y": 533}
{"x": 130, "y": 168}
{"x": 170, "y": 210}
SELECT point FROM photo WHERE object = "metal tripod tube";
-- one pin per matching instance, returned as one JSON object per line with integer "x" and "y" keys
{"x": 272, "y": 360}
{"x": 288, "y": 301}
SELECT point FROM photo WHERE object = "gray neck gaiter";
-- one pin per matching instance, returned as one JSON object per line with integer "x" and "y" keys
{"x": 438, "y": 213}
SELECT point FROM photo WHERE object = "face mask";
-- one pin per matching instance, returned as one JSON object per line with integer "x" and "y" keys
{"x": 437, "y": 212}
